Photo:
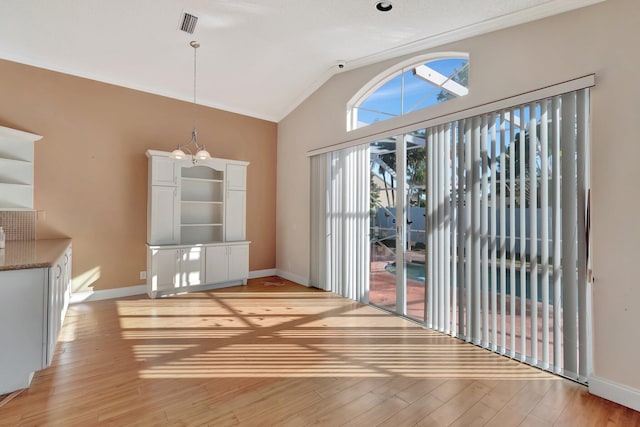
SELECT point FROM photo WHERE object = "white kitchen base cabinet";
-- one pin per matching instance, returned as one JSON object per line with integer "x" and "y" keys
{"x": 23, "y": 327}
{"x": 187, "y": 268}
{"x": 58, "y": 298}
{"x": 32, "y": 310}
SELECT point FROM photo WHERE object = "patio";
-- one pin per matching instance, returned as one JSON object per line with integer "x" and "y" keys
{"x": 383, "y": 294}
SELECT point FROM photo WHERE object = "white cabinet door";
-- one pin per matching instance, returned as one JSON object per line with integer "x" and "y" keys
{"x": 164, "y": 171}
{"x": 192, "y": 266}
{"x": 235, "y": 215}
{"x": 23, "y": 326}
{"x": 67, "y": 278}
{"x": 217, "y": 264}
{"x": 164, "y": 218}
{"x": 165, "y": 268}
{"x": 236, "y": 177}
{"x": 227, "y": 263}
{"x": 238, "y": 262}
{"x": 55, "y": 305}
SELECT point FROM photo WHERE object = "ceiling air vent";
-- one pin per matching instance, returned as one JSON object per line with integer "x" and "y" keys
{"x": 188, "y": 23}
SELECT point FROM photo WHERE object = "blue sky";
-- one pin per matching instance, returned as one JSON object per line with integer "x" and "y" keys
{"x": 387, "y": 101}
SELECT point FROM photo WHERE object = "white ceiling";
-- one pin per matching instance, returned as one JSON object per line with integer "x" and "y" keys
{"x": 261, "y": 58}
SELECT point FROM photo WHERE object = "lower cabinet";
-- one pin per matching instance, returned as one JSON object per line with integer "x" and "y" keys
{"x": 217, "y": 264}
{"x": 192, "y": 266}
{"x": 23, "y": 326}
{"x": 164, "y": 270}
{"x": 185, "y": 268}
{"x": 59, "y": 294}
{"x": 239, "y": 263}
{"x": 32, "y": 309}
{"x": 226, "y": 263}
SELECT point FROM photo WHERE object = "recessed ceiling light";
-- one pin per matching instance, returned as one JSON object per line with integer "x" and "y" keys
{"x": 384, "y": 6}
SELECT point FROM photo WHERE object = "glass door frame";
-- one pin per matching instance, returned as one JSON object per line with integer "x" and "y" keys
{"x": 400, "y": 204}
{"x": 401, "y": 224}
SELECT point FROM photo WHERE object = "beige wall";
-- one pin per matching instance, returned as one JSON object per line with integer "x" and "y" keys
{"x": 600, "y": 39}
{"x": 91, "y": 170}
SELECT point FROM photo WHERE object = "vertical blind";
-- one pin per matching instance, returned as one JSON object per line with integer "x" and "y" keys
{"x": 340, "y": 222}
{"x": 507, "y": 232}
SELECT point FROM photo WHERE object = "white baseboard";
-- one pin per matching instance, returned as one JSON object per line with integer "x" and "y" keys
{"x": 615, "y": 392}
{"x": 126, "y": 291}
{"x": 263, "y": 273}
{"x": 293, "y": 277}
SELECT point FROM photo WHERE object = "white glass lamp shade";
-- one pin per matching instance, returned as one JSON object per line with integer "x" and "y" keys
{"x": 203, "y": 154}
{"x": 177, "y": 154}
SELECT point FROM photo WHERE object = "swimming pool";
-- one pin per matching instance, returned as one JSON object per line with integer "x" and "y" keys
{"x": 416, "y": 271}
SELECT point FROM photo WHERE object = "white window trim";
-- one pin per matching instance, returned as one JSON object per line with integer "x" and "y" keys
{"x": 390, "y": 73}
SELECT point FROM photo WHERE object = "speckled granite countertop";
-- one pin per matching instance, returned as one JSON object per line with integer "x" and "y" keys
{"x": 22, "y": 254}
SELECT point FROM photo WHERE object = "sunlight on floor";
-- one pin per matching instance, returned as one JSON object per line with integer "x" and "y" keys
{"x": 288, "y": 334}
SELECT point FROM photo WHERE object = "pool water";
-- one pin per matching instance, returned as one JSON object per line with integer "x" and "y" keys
{"x": 416, "y": 271}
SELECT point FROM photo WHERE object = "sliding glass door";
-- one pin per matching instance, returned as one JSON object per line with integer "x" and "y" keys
{"x": 383, "y": 224}
{"x": 478, "y": 228}
{"x": 397, "y": 235}
{"x": 415, "y": 201}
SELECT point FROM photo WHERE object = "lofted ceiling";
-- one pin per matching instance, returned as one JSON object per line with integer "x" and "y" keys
{"x": 261, "y": 58}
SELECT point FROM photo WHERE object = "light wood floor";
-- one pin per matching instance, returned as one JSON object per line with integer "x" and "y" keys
{"x": 277, "y": 354}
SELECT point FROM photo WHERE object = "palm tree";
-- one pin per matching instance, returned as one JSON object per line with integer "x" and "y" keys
{"x": 513, "y": 150}
{"x": 387, "y": 164}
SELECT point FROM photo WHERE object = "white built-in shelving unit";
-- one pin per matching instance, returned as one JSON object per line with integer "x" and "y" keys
{"x": 196, "y": 224}
{"x": 16, "y": 168}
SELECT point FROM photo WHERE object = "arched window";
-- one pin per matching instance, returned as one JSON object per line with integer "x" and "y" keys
{"x": 410, "y": 86}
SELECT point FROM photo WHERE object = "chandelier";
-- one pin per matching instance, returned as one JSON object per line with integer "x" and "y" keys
{"x": 198, "y": 151}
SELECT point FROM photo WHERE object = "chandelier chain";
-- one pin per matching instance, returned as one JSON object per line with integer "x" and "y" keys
{"x": 195, "y": 52}
{"x": 199, "y": 152}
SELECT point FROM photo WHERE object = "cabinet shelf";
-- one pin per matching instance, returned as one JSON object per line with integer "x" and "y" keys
{"x": 198, "y": 233}
{"x": 201, "y": 179}
{"x": 202, "y": 190}
{"x": 16, "y": 196}
{"x": 202, "y": 213}
{"x": 7, "y": 159}
{"x": 16, "y": 168}
{"x": 10, "y": 184}
{"x": 201, "y": 202}
{"x": 16, "y": 171}
{"x": 202, "y": 173}
{"x": 202, "y": 243}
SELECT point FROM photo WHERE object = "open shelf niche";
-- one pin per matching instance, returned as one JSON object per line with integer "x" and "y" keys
{"x": 201, "y": 205}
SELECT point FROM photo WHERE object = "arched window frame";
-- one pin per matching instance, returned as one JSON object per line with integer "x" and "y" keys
{"x": 390, "y": 73}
